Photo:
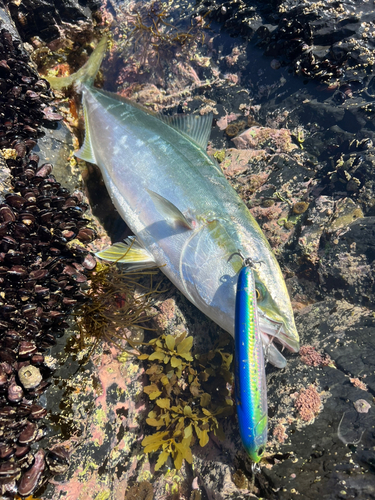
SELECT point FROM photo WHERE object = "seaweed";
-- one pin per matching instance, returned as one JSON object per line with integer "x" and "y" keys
{"x": 186, "y": 405}
{"x": 150, "y": 24}
{"x": 117, "y": 300}
{"x": 150, "y": 31}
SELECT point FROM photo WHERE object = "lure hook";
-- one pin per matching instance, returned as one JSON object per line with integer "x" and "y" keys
{"x": 255, "y": 468}
{"x": 247, "y": 261}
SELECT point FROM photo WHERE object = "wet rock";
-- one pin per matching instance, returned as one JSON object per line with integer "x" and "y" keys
{"x": 46, "y": 18}
{"x": 328, "y": 455}
{"x": 347, "y": 262}
{"x": 272, "y": 183}
{"x": 318, "y": 40}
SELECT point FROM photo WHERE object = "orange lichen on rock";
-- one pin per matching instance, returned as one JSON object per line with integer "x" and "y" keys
{"x": 311, "y": 357}
{"x": 308, "y": 403}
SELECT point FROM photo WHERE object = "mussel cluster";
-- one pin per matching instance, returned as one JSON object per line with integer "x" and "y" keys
{"x": 25, "y": 97}
{"x": 292, "y": 40}
{"x": 42, "y": 267}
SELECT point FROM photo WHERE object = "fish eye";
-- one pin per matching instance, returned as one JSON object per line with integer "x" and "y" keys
{"x": 260, "y": 291}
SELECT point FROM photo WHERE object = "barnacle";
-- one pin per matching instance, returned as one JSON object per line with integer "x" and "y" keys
{"x": 140, "y": 491}
{"x": 234, "y": 128}
{"x": 268, "y": 203}
{"x": 300, "y": 207}
{"x": 29, "y": 376}
{"x": 190, "y": 395}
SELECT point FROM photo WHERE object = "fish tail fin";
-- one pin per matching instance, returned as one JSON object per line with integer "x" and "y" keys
{"x": 88, "y": 71}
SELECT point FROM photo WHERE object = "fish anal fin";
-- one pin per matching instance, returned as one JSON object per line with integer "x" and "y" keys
{"x": 169, "y": 211}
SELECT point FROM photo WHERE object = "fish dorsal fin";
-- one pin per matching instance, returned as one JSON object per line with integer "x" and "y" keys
{"x": 86, "y": 152}
{"x": 169, "y": 211}
{"x": 131, "y": 252}
{"x": 196, "y": 127}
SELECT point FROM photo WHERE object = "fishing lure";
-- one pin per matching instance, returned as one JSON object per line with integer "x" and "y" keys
{"x": 250, "y": 375}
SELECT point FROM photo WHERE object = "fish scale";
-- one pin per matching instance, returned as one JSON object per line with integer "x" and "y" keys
{"x": 250, "y": 376}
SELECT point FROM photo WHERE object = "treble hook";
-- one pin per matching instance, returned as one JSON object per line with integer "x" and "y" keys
{"x": 247, "y": 261}
{"x": 255, "y": 468}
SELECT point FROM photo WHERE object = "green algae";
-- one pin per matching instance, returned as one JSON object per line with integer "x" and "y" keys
{"x": 104, "y": 495}
{"x": 89, "y": 466}
{"x": 219, "y": 155}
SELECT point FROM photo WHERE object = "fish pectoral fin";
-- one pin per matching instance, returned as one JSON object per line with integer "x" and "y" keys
{"x": 129, "y": 252}
{"x": 169, "y": 211}
{"x": 86, "y": 152}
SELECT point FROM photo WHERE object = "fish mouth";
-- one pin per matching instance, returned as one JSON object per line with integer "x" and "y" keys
{"x": 277, "y": 331}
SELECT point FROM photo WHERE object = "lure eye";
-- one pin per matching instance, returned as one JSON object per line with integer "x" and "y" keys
{"x": 261, "y": 451}
{"x": 260, "y": 291}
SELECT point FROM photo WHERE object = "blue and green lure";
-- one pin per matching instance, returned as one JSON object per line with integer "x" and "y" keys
{"x": 250, "y": 375}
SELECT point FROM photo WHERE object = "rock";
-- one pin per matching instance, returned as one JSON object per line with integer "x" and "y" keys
{"x": 316, "y": 222}
{"x": 261, "y": 137}
{"x": 330, "y": 454}
{"x": 320, "y": 442}
{"x": 318, "y": 40}
{"x": 45, "y": 18}
{"x": 347, "y": 263}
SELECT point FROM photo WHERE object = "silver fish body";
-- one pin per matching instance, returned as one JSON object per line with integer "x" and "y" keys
{"x": 184, "y": 213}
{"x": 139, "y": 153}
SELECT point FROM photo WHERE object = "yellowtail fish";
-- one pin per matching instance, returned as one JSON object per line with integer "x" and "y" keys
{"x": 184, "y": 214}
{"x": 250, "y": 375}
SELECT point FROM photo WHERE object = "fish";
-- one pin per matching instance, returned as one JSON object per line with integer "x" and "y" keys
{"x": 185, "y": 216}
{"x": 250, "y": 385}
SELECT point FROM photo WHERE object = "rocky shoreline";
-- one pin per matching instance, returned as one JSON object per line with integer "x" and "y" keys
{"x": 304, "y": 163}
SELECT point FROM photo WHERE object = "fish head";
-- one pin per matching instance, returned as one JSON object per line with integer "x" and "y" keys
{"x": 210, "y": 264}
{"x": 275, "y": 313}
